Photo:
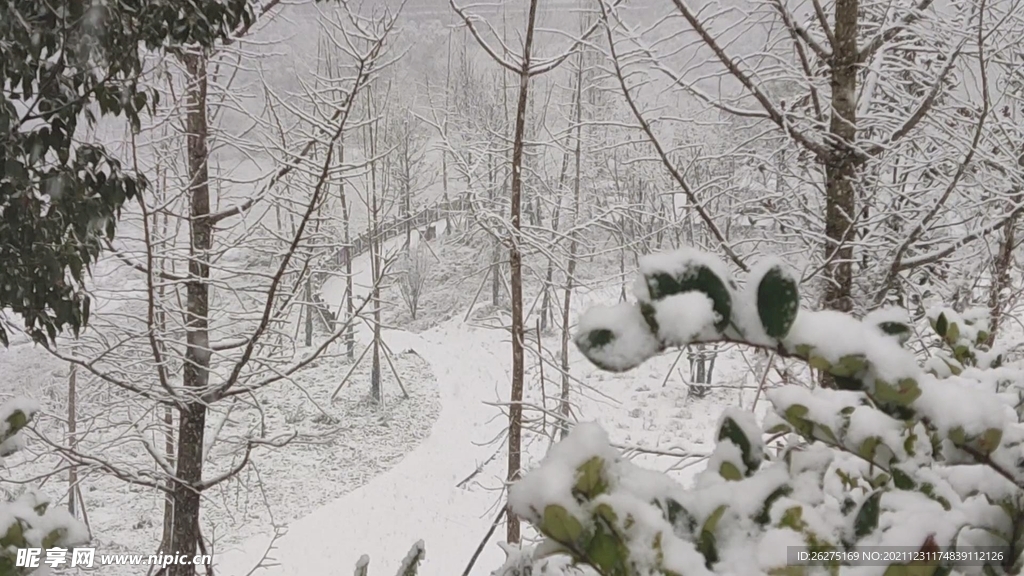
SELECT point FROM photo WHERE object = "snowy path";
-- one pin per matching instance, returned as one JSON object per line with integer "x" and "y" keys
{"x": 418, "y": 498}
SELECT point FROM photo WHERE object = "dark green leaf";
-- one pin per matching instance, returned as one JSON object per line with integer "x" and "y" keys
{"x": 697, "y": 278}
{"x": 732, "y": 431}
{"x": 867, "y": 517}
{"x": 941, "y": 325}
{"x": 778, "y": 301}
{"x": 764, "y": 516}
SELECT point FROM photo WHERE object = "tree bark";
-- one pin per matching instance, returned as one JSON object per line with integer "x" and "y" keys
{"x": 1001, "y": 279}
{"x": 842, "y": 165}
{"x": 309, "y": 312}
{"x": 350, "y": 336}
{"x": 185, "y": 532}
{"x": 515, "y": 414}
{"x": 72, "y": 440}
{"x": 571, "y": 267}
{"x": 375, "y": 255}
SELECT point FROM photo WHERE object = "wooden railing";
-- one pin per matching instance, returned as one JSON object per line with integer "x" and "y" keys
{"x": 422, "y": 221}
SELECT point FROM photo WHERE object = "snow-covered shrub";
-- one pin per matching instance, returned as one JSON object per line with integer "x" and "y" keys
{"x": 409, "y": 567}
{"x": 28, "y": 521}
{"x": 894, "y": 455}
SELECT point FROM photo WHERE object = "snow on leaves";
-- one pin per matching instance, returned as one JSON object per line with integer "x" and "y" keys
{"x": 685, "y": 297}
{"x": 410, "y": 564}
{"x": 28, "y": 521}
{"x": 895, "y": 455}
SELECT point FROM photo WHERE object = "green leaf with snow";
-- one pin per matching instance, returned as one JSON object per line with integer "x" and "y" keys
{"x": 803, "y": 350}
{"x": 683, "y": 523}
{"x": 706, "y": 543}
{"x": 952, "y": 333}
{"x": 830, "y": 472}
{"x": 606, "y": 513}
{"x": 901, "y": 479}
{"x": 941, "y": 325}
{"x": 793, "y": 518}
{"x": 928, "y": 489}
{"x": 650, "y": 316}
{"x": 17, "y": 420}
{"x": 589, "y": 480}
{"x": 867, "y": 448}
{"x": 989, "y": 440}
{"x": 750, "y": 448}
{"x": 901, "y": 331}
{"x": 957, "y": 435}
{"x": 795, "y": 415}
{"x": 849, "y": 365}
{"x": 903, "y": 393}
{"x": 607, "y": 551}
{"x": 778, "y": 301}
{"x": 824, "y": 432}
{"x": 867, "y": 517}
{"x": 729, "y": 471}
{"x": 819, "y": 363}
{"x": 559, "y": 525}
{"x": 765, "y": 515}
{"x": 54, "y": 537}
{"x": 15, "y": 535}
{"x": 695, "y": 277}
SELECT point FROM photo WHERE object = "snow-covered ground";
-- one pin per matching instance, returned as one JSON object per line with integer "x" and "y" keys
{"x": 424, "y": 498}
{"x": 417, "y": 499}
{"x": 376, "y": 481}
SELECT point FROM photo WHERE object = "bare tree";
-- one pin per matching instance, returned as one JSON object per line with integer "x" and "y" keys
{"x": 859, "y": 93}
{"x": 187, "y": 333}
{"x": 414, "y": 274}
{"x": 524, "y": 67}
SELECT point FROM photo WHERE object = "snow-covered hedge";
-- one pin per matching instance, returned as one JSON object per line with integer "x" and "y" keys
{"x": 28, "y": 521}
{"x": 410, "y": 564}
{"x": 895, "y": 454}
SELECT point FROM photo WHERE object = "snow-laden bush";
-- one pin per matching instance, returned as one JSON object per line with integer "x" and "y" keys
{"x": 28, "y": 521}
{"x": 893, "y": 455}
{"x": 409, "y": 567}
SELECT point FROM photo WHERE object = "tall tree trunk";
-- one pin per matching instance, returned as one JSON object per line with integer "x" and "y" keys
{"x": 515, "y": 414}
{"x": 375, "y": 246}
{"x": 1001, "y": 278}
{"x": 168, "y": 410}
{"x": 350, "y": 335}
{"x": 185, "y": 532}
{"x": 309, "y": 311}
{"x": 571, "y": 267}
{"x": 407, "y": 190}
{"x": 444, "y": 129}
{"x": 72, "y": 440}
{"x": 841, "y": 168}
{"x": 496, "y": 254}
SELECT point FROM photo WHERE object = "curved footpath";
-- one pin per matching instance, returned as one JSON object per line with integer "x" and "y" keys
{"x": 418, "y": 498}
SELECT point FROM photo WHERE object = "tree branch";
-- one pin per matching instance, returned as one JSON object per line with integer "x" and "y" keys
{"x": 876, "y": 43}
{"x": 673, "y": 171}
{"x": 817, "y": 148}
